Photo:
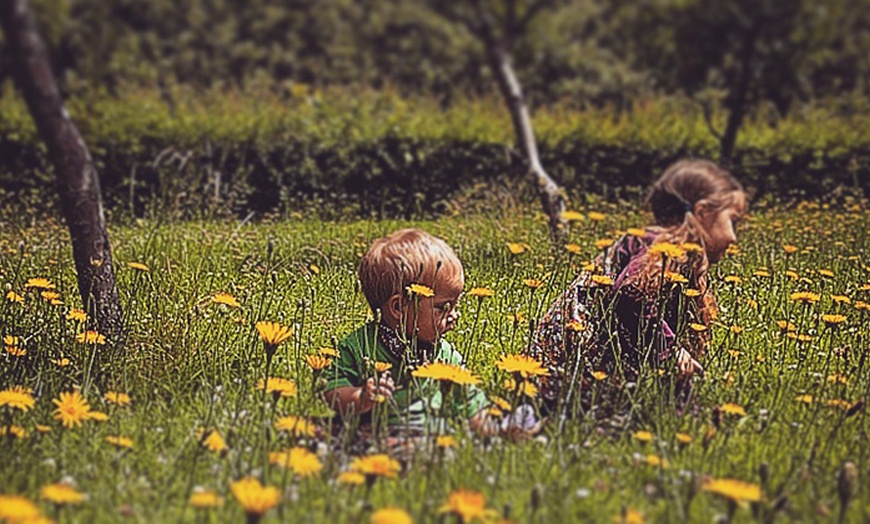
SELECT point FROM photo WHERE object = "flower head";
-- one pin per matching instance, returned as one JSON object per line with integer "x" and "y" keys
{"x": 516, "y": 248}
{"x": 523, "y": 364}
{"x": 255, "y": 498}
{"x": 39, "y": 283}
{"x": 72, "y": 408}
{"x": 667, "y": 249}
{"x": 120, "y": 441}
{"x": 734, "y": 490}
{"x": 297, "y": 426}
{"x": 480, "y": 292}
{"x": 18, "y": 398}
{"x": 351, "y": 478}
{"x": 272, "y": 334}
{"x": 318, "y": 362}
{"x": 91, "y": 337}
{"x": 114, "y": 397}
{"x": 212, "y": 440}
{"x": 12, "y": 296}
{"x": 391, "y": 516}
{"x": 280, "y": 387}
{"x": 420, "y": 290}
{"x": 203, "y": 499}
{"x": 77, "y": 315}
{"x": 602, "y": 280}
{"x": 300, "y": 460}
{"x": 376, "y": 466}
{"x": 467, "y": 506}
{"x": 446, "y": 373}
{"x": 805, "y": 297}
{"x": 222, "y": 297}
{"x": 833, "y": 320}
{"x": 61, "y": 493}
{"x": 15, "y": 508}
{"x": 731, "y": 408}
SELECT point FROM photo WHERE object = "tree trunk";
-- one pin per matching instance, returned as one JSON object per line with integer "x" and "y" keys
{"x": 551, "y": 195}
{"x": 736, "y": 102}
{"x": 77, "y": 178}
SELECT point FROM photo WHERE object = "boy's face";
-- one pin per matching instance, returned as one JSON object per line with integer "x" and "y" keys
{"x": 435, "y": 315}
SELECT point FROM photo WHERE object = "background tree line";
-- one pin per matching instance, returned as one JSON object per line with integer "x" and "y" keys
{"x": 784, "y": 52}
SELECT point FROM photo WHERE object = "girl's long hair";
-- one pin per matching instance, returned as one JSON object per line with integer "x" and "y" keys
{"x": 684, "y": 188}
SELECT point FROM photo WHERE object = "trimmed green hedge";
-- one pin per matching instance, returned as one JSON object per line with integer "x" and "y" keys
{"x": 379, "y": 154}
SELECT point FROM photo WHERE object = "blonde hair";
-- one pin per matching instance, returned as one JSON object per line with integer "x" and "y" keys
{"x": 684, "y": 188}
{"x": 402, "y": 258}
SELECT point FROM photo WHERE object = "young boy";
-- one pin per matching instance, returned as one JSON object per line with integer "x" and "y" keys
{"x": 397, "y": 274}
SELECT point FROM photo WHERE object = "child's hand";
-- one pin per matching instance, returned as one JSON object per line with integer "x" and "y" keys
{"x": 376, "y": 392}
{"x": 688, "y": 366}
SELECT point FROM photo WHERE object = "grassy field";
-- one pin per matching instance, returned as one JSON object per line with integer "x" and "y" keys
{"x": 781, "y": 408}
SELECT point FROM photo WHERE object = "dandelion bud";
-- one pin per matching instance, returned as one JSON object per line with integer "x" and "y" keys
{"x": 847, "y": 484}
{"x": 764, "y": 472}
{"x": 537, "y": 493}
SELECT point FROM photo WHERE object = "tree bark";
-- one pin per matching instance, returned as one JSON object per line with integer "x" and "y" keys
{"x": 77, "y": 178}
{"x": 737, "y": 97}
{"x": 551, "y": 195}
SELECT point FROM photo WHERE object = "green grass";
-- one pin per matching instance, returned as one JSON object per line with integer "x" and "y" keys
{"x": 192, "y": 363}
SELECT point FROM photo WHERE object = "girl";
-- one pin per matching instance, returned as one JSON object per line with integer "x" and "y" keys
{"x": 646, "y": 302}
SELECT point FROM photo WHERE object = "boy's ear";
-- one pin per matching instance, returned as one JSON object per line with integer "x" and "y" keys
{"x": 394, "y": 306}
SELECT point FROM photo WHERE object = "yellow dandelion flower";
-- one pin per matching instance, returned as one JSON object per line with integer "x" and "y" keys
{"x": 826, "y": 273}
{"x": 446, "y": 373}
{"x": 642, "y": 436}
{"x": 120, "y": 441}
{"x": 789, "y": 248}
{"x": 77, "y": 315}
{"x": 114, "y": 397}
{"x": 736, "y": 329}
{"x": 576, "y": 326}
{"x": 733, "y": 250}
{"x": 692, "y": 293}
{"x": 15, "y": 509}
{"x": 12, "y": 296}
{"x": 805, "y": 297}
{"x": 467, "y": 505}
{"x": 318, "y": 362}
{"x": 691, "y": 247}
{"x": 445, "y": 441}
{"x": 684, "y": 438}
{"x": 16, "y": 351}
{"x": 604, "y": 243}
{"x": 785, "y": 326}
{"x": 500, "y": 402}
{"x": 602, "y": 280}
{"x": 14, "y": 431}
{"x": 517, "y": 317}
{"x": 43, "y": 428}
{"x": 301, "y": 461}
{"x": 841, "y": 299}
{"x": 804, "y": 399}
{"x": 420, "y": 290}
{"x": 481, "y": 292}
{"x": 297, "y": 426}
{"x": 516, "y": 248}
{"x": 525, "y": 387}
{"x": 91, "y": 337}
{"x": 97, "y": 416}
{"x": 50, "y": 296}
{"x": 212, "y": 440}
{"x": 572, "y": 216}
{"x": 376, "y": 466}
{"x": 735, "y": 490}
{"x": 762, "y": 273}
{"x": 72, "y": 408}
{"x": 596, "y": 216}
{"x": 204, "y": 499}
{"x": 574, "y": 249}
{"x": 861, "y": 305}
{"x": 833, "y": 320}
{"x": 61, "y": 494}
{"x": 657, "y": 461}
{"x": 280, "y": 387}
{"x": 667, "y": 249}
{"x": 381, "y": 367}
{"x": 630, "y": 516}
{"x": 731, "y": 408}
{"x": 675, "y": 277}
{"x": 525, "y": 365}
{"x": 533, "y": 283}
{"x": 837, "y": 378}
{"x": 138, "y": 266}
{"x": 838, "y": 403}
{"x": 329, "y": 352}
{"x": 792, "y": 274}
{"x": 273, "y": 333}
{"x": 733, "y": 279}
{"x": 697, "y": 327}
{"x": 599, "y": 375}
{"x": 61, "y": 362}
{"x": 390, "y": 515}
{"x": 351, "y": 478}
{"x": 253, "y": 497}
{"x": 636, "y": 231}
{"x": 39, "y": 283}
{"x": 226, "y": 299}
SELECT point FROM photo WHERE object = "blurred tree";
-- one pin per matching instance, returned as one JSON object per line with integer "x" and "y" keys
{"x": 499, "y": 24}
{"x": 735, "y": 52}
{"x": 77, "y": 177}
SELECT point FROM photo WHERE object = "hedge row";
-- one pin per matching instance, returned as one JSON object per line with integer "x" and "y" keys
{"x": 378, "y": 154}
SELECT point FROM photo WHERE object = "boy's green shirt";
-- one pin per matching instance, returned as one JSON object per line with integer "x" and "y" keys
{"x": 416, "y": 402}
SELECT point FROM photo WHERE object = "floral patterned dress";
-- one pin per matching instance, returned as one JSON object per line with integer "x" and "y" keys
{"x": 604, "y": 326}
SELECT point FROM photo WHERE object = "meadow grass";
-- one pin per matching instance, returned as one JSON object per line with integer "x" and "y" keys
{"x": 780, "y": 406}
